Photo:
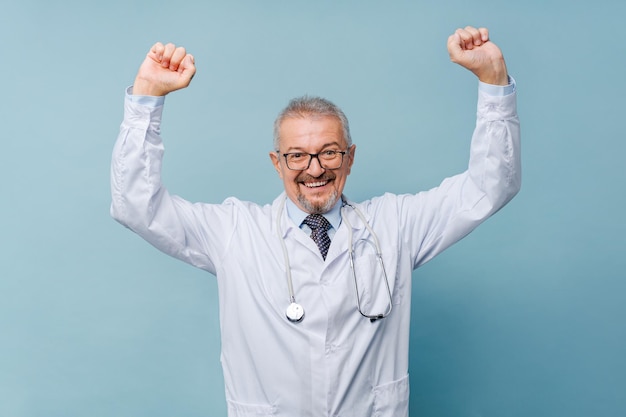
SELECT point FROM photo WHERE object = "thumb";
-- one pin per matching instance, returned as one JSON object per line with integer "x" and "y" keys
{"x": 455, "y": 48}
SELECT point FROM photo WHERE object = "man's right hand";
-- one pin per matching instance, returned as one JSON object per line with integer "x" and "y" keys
{"x": 166, "y": 68}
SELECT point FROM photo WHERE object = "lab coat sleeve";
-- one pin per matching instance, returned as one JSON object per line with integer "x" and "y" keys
{"x": 435, "y": 219}
{"x": 194, "y": 233}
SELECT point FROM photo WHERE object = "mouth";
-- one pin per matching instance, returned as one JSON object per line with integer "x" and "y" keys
{"x": 312, "y": 183}
{"x": 315, "y": 184}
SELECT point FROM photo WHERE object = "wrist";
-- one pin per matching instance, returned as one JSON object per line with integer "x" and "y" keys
{"x": 496, "y": 75}
{"x": 142, "y": 87}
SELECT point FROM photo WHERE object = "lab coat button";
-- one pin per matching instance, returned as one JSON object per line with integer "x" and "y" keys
{"x": 330, "y": 348}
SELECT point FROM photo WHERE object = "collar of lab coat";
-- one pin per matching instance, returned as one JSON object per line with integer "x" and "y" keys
{"x": 287, "y": 225}
{"x": 297, "y": 216}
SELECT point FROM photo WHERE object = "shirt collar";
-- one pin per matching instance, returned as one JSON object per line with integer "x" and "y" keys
{"x": 297, "y": 216}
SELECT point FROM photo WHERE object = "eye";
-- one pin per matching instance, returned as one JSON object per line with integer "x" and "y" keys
{"x": 328, "y": 154}
{"x": 296, "y": 156}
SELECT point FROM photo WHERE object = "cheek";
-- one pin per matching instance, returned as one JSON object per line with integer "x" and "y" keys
{"x": 343, "y": 177}
{"x": 288, "y": 178}
{"x": 283, "y": 173}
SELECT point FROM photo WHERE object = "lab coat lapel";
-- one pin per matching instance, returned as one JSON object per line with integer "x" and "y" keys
{"x": 290, "y": 231}
{"x": 340, "y": 241}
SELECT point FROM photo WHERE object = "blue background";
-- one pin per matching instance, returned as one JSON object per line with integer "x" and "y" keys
{"x": 524, "y": 317}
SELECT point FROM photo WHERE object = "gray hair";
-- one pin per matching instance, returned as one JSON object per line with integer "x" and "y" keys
{"x": 305, "y": 106}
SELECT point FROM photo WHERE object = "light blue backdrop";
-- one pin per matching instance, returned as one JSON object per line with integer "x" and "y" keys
{"x": 525, "y": 317}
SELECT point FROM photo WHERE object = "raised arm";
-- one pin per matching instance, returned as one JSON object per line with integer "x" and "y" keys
{"x": 138, "y": 198}
{"x": 442, "y": 216}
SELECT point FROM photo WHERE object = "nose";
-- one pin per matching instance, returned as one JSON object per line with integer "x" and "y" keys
{"x": 315, "y": 167}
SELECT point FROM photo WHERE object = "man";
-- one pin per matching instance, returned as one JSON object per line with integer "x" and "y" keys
{"x": 315, "y": 311}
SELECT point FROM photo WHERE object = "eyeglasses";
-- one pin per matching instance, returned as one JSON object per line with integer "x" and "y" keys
{"x": 301, "y": 161}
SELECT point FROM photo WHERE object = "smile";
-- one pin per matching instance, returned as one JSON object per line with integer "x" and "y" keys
{"x": 315, "y": 184}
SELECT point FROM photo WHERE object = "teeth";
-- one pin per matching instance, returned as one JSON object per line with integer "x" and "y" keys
{"x": 315, "y": 184}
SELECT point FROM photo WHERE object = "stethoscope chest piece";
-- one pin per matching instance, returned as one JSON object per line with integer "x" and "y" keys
{"x": 295, "y": 312}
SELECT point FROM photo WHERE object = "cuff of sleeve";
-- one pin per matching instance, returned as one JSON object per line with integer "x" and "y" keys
{"x": 150, "y": 101}
{"x": 493, "y": 108}
{"x": 497, "y": 90}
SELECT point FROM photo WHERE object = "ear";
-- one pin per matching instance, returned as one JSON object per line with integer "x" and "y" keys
{"x": 351, "y": 152}
{"x": 276, "y": 162}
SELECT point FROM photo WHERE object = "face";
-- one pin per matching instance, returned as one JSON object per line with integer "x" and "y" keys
{"x": 314, "y": 190}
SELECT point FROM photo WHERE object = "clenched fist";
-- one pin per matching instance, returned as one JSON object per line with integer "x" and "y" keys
{"x": 166, "y": 68}
{"x": 472, "y": 49}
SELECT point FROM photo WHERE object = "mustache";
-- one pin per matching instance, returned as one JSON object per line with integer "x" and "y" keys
{"x": 326, "y": 176}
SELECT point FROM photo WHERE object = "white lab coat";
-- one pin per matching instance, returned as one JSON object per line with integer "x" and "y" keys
{"x": 335, "y": 362}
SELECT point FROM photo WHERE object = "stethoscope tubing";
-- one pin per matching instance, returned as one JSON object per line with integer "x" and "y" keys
{"x": 295, "y": 312}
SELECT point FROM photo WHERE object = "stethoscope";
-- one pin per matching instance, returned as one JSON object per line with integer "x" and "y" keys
{"x": 295, "y": 312}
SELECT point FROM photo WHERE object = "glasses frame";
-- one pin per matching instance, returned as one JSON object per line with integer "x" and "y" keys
{"x": 311, "y": 156}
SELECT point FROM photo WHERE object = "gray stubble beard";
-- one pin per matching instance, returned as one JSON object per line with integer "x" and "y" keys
{"x": 321, "y": 208}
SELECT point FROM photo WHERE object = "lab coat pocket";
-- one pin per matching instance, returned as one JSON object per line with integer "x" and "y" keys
{"x": 392, "y": 399}
{"x": 237, "y": 409}
{"x": 372, "y": 287}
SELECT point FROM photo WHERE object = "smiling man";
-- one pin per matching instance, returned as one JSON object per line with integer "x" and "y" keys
{"x": 314, "y": 289}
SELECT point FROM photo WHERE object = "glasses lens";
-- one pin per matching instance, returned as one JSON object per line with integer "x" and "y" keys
{"x": 299, "y": 161}
{"x": 331, "y": 159}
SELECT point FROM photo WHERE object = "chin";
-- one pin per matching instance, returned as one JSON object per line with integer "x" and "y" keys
{"x": 318, "y": 207}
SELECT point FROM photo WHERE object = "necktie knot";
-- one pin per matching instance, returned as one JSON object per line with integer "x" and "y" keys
{"x": 317, "y": 221}
{"x": 319, "y": 226}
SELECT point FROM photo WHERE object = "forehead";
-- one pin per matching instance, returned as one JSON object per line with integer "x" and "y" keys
{"x": 311, "y": 131}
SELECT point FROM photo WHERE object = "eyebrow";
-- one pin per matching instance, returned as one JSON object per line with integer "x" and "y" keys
{"x": 326, "y": 145}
